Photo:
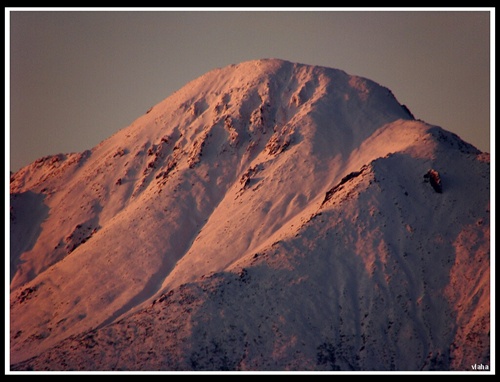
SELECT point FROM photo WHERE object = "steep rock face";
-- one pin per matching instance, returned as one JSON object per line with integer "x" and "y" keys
{"x": 268, "y": 215}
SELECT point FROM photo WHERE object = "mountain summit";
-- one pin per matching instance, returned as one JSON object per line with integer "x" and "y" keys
{"x": 266, "y": 216}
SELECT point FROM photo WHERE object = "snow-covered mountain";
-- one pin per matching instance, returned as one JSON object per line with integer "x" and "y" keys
{"x": 267, "y": 216}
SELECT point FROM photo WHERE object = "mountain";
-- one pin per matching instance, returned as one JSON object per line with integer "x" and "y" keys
{"x": 268, "y": 215}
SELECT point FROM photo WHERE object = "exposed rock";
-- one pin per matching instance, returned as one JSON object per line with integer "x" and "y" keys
{"x": 433, "y": 177}
{"x": 344, "y": 180}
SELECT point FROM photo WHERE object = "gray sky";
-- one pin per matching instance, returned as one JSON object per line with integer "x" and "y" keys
{"x": 77, "y": 77}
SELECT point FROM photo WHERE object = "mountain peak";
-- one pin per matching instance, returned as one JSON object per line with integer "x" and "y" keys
{"x": 258, "y": 182}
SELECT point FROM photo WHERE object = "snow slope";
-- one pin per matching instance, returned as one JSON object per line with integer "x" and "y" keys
{"x": 267, "y": 216}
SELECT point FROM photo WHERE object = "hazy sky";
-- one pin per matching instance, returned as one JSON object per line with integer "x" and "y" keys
{"x": 77, "y": 77}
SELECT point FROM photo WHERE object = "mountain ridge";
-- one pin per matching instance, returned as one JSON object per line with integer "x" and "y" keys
{"x": 243, "y": 161}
